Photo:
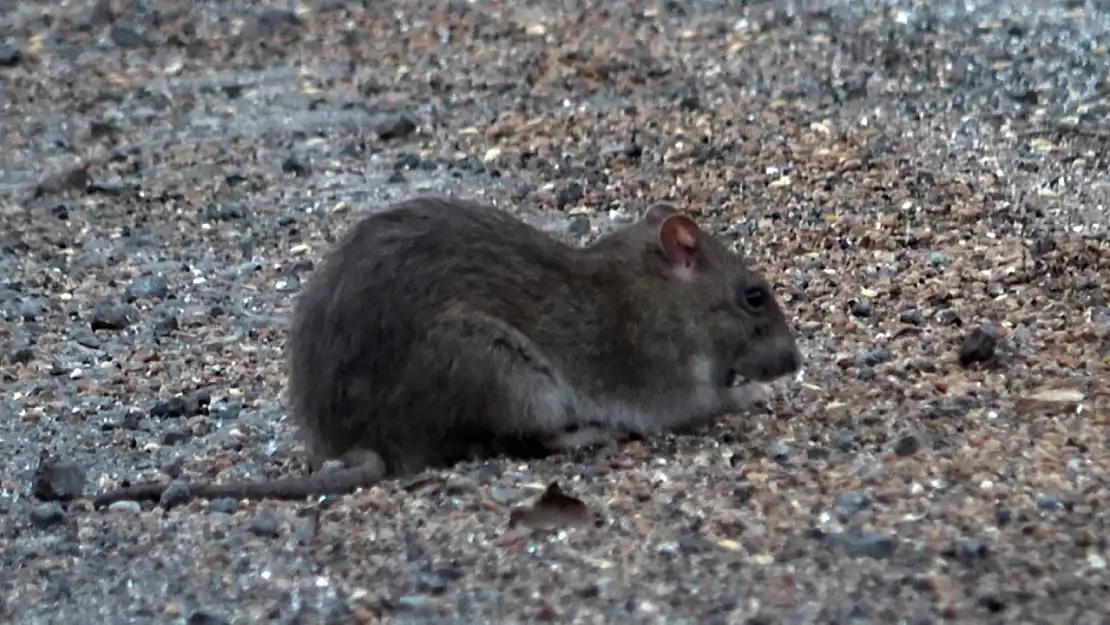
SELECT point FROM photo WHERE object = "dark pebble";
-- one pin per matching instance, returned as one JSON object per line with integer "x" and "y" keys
{"x": 85, "y": 338}
{"x": 395, "y": 127}
{"x": 979, "y": 346}
{"x": 568, "y": 194}
{"x": 60, "y": 480}
{"x": 907, "y": 445}
{"x": 458, "y": 485}
{"x": 778, "y": 450}
{"x": 128, "y": 38}
{"x": 225, "y": 412}
{"x": 860, "y": 308}
{"x": 969, "y": 549}
{"x": 226, "y": 505}
{"x": 1003, "y": 516}
{"x": 21, "y": 356}
{"x": 174, "y": 436}
{"x": 10, "y": 56}
{"x": 1050, "y": 502}
{"x": 874, "y": 357}
{"x": 165, "y": 324}
{"x": 75, "y": 179}
{"x": 177, "y": 492}
{"x": 265, "y": 524}
{"x": 226, "y": 211}
{"x": 109, "y": 316}
{"x": 47, "y": 514}
{"x": 844, "y": 440}
{"x": 151, "y": 286}
{"x": 912, "y": 317}
{"x": 868, "y": 544}
{"x": 853, "y": 502}
{"x": 297, "y": 167}
{"x": 433, "y": 583}
{"x": 202, "y": 617}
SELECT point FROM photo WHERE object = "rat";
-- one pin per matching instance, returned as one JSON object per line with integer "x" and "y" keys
{"x": 440, "y": 329}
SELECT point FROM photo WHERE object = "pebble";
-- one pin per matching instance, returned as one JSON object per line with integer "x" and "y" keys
{"x": 852, "y": 503}
{"x": 58, "y": 480}
{"x": 844, "y": 440}
{"x": 126, "y": 505}
{"x": 860, "y": 308}
{"x": 867, "y": 544}
{"x": 150, "y": 286}
{"x": 912, "y": 317}
{"x": 395, "y": 127}
{"x": 10, "y": 56}
{"x": 108, "y": 316}
{"x": 979, "y": 346}
{"x": 778, "y": 450}
{"x": 202, "y": 617}
{"x": 176, "y": 493}
{"x": 265, "y": 524}
{"x": 969, "y": 549}
{"x": 907, "y": 445}
{"x": 47, "y": 514}
{"x": 226, "y": 505}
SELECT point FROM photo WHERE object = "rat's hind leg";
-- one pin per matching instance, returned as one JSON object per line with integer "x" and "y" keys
{"x": 505, "y": 385}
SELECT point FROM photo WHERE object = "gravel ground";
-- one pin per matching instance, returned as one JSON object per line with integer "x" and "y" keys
{"x": 926, "y": 184}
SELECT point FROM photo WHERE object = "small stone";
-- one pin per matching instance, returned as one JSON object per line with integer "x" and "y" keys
{"x": 912, "y": 317}
{"x": 109, "y": 316}
{"x": 47, "y": 514}
{"x": 265, "y": 524}
{"x": 151, "y": 287}
{"x": 458, "y": 485}
{"x": 853, "y": 502}
{"x": 412, "y": 603}
{"x": 778, "y": 450}
{"x": 126, "y": 505}
{"x": 58, "y": 480}
{"x": 75, "y": 179}
{"x": 226, "y": 505}
{"x": 395, "y": 127}
{"x": 938, "y": 259}
{"x": 224, "y": 212}
{"x": 165, "y": 324}
{"x": 844, "y": 440}
{"x": 175, "y": 494}
{"x": 860, "y": 308}
{"x": 174, "y": 436}
{"x": 869, "y": 544}
{"x": 21, "y": 356}
{"x": 85, "y": 338}
{"x": 907, "y": 445}
{"x": 201, "y": 617}
{"x": 297, "y": 167}
{"x": 1050, "y": 502}
{"x": 10, "y": 56}
{"x": 128, "y": 38}
{"x": 979, "y": 346}
{"x": 568, "y": 194}
{"x": 969, "y": 549}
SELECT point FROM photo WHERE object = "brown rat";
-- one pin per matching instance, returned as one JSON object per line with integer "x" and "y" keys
{"x": 441, "y": 329}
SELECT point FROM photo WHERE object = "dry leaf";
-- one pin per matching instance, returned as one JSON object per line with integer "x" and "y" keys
{"x": 553, "y": 509}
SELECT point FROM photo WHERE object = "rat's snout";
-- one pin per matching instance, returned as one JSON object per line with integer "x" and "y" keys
{"x": 771, "y": 359}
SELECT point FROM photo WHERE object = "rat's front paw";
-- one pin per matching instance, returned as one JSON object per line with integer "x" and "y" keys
{"x": 751, "y": 395}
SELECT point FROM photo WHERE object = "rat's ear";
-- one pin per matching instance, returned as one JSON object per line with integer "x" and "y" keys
{"x": 680, "y": 238}
{"x": 660, "y": 211}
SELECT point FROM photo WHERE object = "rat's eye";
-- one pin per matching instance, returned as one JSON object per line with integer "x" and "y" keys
{"x": 754, "y": 297}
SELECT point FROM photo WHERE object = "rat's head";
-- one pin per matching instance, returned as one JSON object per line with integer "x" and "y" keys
{"x": 714, "y": 297}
